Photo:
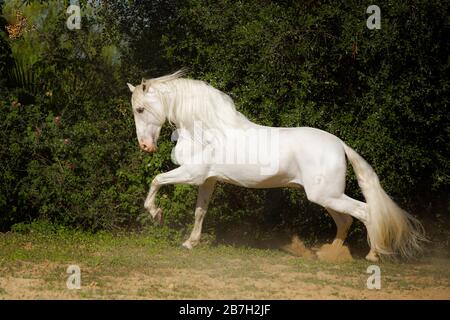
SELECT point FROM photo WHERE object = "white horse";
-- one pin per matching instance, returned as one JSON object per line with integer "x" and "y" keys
{"x": 211, "y": 128}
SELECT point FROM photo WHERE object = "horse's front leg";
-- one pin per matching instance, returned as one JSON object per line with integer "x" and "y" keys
{"x": 150, "y": 204}
{"x": 204, "y": 195}
{"x": 178, "y": 175}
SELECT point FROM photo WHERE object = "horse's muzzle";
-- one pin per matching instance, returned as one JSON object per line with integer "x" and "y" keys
{"x": 148, "y": 148}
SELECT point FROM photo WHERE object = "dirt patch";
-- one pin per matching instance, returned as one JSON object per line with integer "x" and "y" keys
{"x": 332, "y": 253}
{"x": 273, "y": 281}
{"x": 143, "y": 270}
{"x": 298, "y": 248}
{"x": 326, "y": 253}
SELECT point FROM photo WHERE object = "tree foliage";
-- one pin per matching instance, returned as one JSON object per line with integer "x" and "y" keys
{"x": 68, "y": 148}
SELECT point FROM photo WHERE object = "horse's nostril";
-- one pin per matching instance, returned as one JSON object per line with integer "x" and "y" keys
{"x": 148, "y": 147}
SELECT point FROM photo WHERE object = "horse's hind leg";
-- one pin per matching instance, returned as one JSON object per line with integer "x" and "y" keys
{"x": 343, "y": 223}
{"x": 336, "y": 250}
{"x": 352, "y": 207}
{"x": 328, "y": 191}
{"x": 358, "y": 210}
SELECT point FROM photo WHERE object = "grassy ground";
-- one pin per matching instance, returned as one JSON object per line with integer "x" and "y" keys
{"x": 33, "y": 265}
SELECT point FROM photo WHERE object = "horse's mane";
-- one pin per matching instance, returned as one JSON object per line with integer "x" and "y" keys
{"x": 187, "y": 101}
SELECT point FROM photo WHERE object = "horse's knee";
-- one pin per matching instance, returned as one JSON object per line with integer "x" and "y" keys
{"x": 147, "y": 205}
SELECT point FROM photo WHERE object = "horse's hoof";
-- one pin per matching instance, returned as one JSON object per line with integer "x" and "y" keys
{"x": 372, "y": 256}
{"x": 187, "y": 245}
{"x": 158, "y": 216}
{"x": 334, "y": 253}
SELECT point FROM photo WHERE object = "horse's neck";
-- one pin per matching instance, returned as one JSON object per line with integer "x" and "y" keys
{"x": 242, "y": 124}
{"x": 214, "y": 137}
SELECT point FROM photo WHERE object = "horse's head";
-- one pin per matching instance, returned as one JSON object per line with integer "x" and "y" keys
{"x": 148, "y": 116}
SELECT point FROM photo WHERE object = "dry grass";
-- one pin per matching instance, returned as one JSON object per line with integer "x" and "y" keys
{"x": 33, "y": 266}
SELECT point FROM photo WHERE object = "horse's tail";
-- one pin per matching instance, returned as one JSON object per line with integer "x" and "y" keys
{"x": 391, "y": 230}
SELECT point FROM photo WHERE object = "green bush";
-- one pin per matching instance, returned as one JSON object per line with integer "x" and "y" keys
{"x": 69, "y": 152}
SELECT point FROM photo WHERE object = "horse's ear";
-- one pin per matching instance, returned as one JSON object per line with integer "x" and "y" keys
{"x": 131, "y": 87}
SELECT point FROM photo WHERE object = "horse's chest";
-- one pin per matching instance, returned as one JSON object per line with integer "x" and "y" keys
{"x": 188, "y": 151}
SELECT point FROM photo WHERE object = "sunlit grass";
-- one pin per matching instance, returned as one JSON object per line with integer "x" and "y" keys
{"x": 150, "y": 264}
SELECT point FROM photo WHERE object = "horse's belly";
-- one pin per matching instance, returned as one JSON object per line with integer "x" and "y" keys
{"x": 250, "y": 176}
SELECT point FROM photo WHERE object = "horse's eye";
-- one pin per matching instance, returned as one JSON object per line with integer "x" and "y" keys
{"x": 140, "y": 110}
